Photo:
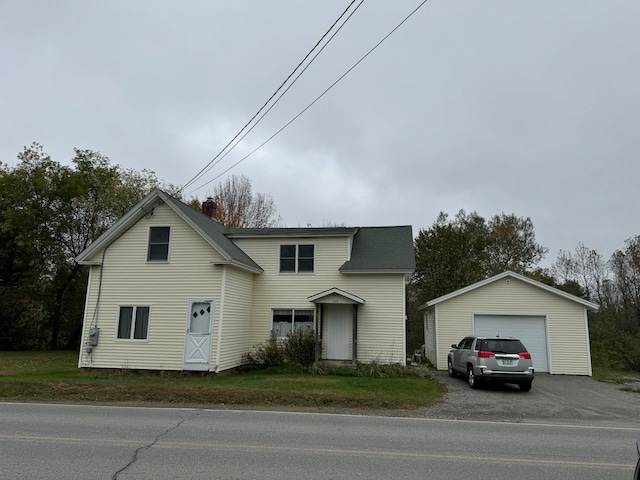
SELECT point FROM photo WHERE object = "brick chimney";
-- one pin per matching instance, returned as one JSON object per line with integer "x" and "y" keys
{"x": 209, "y": 207}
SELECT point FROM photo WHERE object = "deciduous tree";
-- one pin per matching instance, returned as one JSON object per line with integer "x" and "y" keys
{"x": 49, "y": 213}
{"x": 238, "y": 207}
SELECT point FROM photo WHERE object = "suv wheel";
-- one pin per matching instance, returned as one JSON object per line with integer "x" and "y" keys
{"x": 525, "y": 386}
{"x": 452, "y": 372}
{"x": 474, "y": 382}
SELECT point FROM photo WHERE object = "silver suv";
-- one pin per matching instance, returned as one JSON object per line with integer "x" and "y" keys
{"x": 496, "y": 359}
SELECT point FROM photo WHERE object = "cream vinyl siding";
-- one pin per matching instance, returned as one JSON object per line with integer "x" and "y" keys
{"x": 430, "y": 335}
{"x": 167, "y": 287}
{"x": 566, "y": 321}
{"x": 381, "y": 326}
{"x": 236, "y": 323}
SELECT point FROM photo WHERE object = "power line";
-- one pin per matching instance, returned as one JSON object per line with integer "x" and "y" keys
{"x": 211, "y": 163}
{"x": 317, "y": 98}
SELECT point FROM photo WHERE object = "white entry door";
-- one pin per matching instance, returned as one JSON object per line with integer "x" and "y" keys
{"x": 197, "y": 346}
{"x": 338, "y": 326}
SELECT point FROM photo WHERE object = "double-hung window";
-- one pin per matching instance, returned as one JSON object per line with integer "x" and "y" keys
{"x": 158, "y": 250}
{"x": 296, "y": 258}
{"x": 289, "y": 320}
{"x": 133, "y": 323}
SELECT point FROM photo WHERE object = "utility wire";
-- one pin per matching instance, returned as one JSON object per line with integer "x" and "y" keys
{"x": 317, "y": 98}
{"x": 199, "y": 174}
{"x": 212, "y": 164}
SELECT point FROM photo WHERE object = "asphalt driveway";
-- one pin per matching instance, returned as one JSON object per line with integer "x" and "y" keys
{"x": 553, "y": 398}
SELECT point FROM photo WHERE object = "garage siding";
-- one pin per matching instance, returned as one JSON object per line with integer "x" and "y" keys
{"x": 567, "y": 330}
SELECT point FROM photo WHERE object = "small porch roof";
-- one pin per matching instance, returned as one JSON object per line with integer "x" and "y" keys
{"x": 335, "y": 295}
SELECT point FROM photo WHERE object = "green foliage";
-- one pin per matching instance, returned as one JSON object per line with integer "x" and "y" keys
{"x": 49, "y": 213}
{"x": 457, "y": 252}
{"x": 297, "y": 348}
{"x": 300, "y": 347}
{"x": 267, "y": 354}
{"x": 614, "y": 341}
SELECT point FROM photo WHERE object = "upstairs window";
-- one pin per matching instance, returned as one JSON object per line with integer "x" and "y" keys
{"x": 133, "y": 323}
{"x": 158, "y": 244}
{"x": 296, "y": 258}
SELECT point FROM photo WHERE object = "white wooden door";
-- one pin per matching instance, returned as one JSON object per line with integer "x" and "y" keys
{"x": 338, "y": 327}
{"x": 197, "y": 347}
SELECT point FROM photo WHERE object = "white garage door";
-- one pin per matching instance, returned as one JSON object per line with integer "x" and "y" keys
{"x": 530, "y": 330}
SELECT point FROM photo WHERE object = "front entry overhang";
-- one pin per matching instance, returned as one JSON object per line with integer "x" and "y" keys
{"x": 325, "y": 301}
{"x": 335, "y": 295}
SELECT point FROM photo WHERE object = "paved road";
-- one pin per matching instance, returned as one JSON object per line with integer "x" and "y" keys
{"x": 553, "y": 398}
{"x": 91, "y": 442}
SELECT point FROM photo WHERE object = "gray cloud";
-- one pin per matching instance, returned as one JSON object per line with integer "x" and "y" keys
{"x": 519, "y": 107}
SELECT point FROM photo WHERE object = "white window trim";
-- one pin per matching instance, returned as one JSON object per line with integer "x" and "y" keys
{"x": 293, "y": 316}
{"x": 133, "y": 323}
{"x": 297, "y": 258}
{"x": 149, "y": 245}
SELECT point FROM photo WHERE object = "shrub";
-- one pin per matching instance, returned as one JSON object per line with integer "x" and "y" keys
{"x": 268, "y": 354}
{"x": 299, "y": 348}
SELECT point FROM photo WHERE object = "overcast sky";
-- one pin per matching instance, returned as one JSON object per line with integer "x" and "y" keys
{"x": 515, "y": 106}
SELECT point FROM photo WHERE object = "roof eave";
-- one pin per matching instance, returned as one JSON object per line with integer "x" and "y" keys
{"x": 376, "y": 271}
{"x": 518, "y": 276}
{"x": 141, "y": 209}
{"x": 237, "y": 264}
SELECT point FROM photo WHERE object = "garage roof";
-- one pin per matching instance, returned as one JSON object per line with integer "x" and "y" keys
{"x": 568, "y": 296}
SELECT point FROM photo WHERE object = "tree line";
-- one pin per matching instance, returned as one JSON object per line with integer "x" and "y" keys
{"x": 50, "y": 212}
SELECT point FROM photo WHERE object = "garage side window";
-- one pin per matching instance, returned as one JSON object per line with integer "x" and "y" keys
{"x": 133, "y": 323}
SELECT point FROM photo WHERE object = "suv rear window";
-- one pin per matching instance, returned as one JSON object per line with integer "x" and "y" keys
{"x": 502, "y": 345}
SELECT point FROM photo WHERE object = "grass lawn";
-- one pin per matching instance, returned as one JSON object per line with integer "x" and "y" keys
{"x": 628, "y": 380}
{"x": 55, "y": 377}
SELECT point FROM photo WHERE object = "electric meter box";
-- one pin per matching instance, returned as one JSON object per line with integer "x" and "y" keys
{"x": 94, "y": 333}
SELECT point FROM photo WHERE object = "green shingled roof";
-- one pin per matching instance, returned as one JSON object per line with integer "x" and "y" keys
{"x": 374, "y": 249}
{"x": 216, "y": 233}
{"x": 381, "y": 249}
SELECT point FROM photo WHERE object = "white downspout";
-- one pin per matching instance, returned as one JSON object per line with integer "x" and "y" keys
{"x": 221, "y": 317}
{"x": 405, "y": 320}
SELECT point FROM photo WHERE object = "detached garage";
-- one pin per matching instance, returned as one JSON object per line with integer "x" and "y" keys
{"x": 551, "y": 323}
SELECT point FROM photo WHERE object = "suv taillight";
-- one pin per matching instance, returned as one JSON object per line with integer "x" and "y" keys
{"x": 482, "y": 354}
{"x": 525, "y": 355}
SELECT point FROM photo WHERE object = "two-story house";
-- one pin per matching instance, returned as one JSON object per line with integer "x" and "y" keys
{"x": 170, "y": 288}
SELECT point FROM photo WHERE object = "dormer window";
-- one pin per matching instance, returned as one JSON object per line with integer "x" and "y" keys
{"x": 296, "y": 258}
{"x": 158, "y": 250}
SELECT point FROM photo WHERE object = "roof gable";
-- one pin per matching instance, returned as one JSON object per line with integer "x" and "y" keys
{"x": 328, "y": 296}
{"x": 212, "y": 231}
{"x": 514, "y": 275}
